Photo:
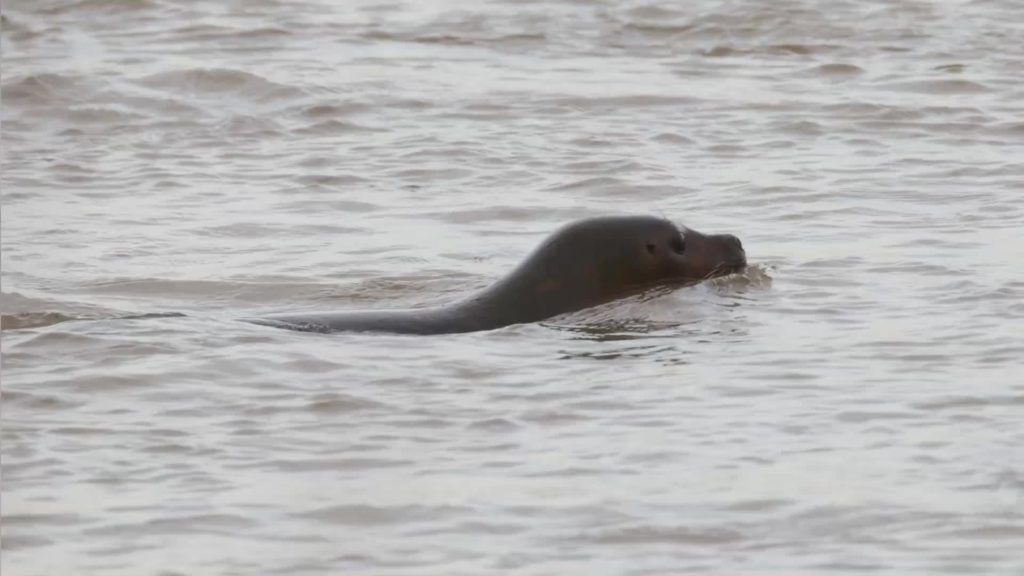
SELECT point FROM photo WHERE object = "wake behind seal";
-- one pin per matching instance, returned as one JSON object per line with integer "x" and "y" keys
{"x": 583, "y": 264}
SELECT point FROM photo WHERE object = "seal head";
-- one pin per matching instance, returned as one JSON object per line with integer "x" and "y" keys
{"x": 598, "y": 260}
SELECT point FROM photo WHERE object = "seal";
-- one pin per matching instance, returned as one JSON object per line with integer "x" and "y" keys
{"x": 583, "y": 264}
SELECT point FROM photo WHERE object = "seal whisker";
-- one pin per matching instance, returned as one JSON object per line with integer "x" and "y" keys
{"x": 716, "y": 271}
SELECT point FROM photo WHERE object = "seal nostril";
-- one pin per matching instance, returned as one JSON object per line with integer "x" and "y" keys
{"x": 734, "y": 241}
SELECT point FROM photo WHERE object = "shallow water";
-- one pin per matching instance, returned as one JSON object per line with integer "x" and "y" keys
{"x": 852, "y": 403}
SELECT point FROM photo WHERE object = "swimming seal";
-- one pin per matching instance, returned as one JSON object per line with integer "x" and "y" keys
{"x": 583, "y": 264}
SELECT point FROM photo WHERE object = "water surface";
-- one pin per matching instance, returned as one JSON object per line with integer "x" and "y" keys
{"x": 853, "y": 403}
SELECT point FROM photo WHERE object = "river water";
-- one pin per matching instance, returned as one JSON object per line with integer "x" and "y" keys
{"x": 852, "y": 403}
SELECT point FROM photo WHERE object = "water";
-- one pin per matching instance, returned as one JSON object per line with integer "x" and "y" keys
{"x": 853, "y": 403}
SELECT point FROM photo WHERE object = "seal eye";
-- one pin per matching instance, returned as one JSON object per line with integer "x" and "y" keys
{"x": 650, "y": 247}
{"x": 678, "y": 245}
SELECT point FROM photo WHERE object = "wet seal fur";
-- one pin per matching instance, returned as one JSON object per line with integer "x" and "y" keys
{"x": 583, "y": 264}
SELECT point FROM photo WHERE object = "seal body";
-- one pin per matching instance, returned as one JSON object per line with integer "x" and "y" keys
{"x": 583, "y": 264}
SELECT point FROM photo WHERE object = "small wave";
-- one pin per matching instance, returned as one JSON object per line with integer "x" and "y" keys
{"x": 339, "y": 180}
{"x": 1009, "y": 128}
{"x": 798, "y": 127}
{"x": 643, "y": 317}
{"x": 862, "y": 416}
{"x": 620, "y": 102}
{"x": 112, "y": 6}
{"x": 186, "y": 524}
{"x": 25, "y": 320}
{"x": 657, "y": 19}
{"x": 249, "y": 125}
{"x": 39, "y": 89}
{"x": 970, "y": 402}
{"x": 16, "y": 30}
{"x": 333, "y": 110}
{"x": 336, "y": 403}
{"x": 837, "y": 69}
{"x": 956, "y": 86}
{"x": 334, "y": 127}
{"x": 507, "y": 213}
{"x": 728, "y": 50}
{"x": 677, "y": 535}
{"x": 598, "y": 183}
{"x": 754, "y": 276}
{"x": 445, "y": 38}
{"x": 434, "y": 175}
{"x": 672, "y": 138}
{"x": 799, "y": 49}
{"x": 654, "y": 29}
{"x": 215, "y": 33}
{"x": 22, "y": 312}
{"x": 366, "y": 515}
{"x": 218, "y": 81}
{"x": 101, "y": 115}
{"x": 209, "y": 291}
{"x": 724, "y": 52}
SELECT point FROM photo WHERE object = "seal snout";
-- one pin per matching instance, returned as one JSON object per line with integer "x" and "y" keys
{"x": 735, "y": 257}
{"x": 733, "y": 241}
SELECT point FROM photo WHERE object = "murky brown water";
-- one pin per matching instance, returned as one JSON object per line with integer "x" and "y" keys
{"x": 854, "y": 403}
